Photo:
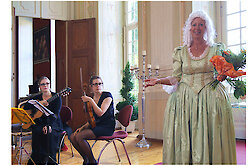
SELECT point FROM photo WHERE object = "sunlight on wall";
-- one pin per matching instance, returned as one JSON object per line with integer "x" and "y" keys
{"x": 110, "y": 46}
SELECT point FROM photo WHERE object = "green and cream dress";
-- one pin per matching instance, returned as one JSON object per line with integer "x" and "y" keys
{"x": 198, "y": 127}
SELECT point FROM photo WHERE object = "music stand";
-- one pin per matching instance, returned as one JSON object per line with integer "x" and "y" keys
{"x": 19, "y": 115}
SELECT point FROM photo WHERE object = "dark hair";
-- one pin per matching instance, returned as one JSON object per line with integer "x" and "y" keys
{"x": 93, "y": 78}
{"x": 41, "y": 78}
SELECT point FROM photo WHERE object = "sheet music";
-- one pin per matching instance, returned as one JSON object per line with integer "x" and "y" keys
{"x": 40, "y": 107}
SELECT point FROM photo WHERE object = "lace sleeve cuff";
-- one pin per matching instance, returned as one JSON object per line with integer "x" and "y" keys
{"x": 174, "y": 85}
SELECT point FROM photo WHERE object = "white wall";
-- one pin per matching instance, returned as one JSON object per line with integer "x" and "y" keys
{"x": 25, "y": 53}
{"x": 110, "y": 46}
{"x": 162, "y": 33}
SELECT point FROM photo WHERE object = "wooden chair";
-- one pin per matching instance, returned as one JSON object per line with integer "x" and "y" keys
{"x": 66, "y": 115}
{"x": 124, "y": 117}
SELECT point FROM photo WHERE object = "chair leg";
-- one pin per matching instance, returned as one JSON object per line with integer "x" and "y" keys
{"x": 60, "y": 147}
{"x": 109, "y": 141}
{"x": 116, "y": 151}
{"x": 125, "y": 151}
{"x": 98, "y": 160}
{"x": 71, "y": 147}
{"x": 93, "y": 144}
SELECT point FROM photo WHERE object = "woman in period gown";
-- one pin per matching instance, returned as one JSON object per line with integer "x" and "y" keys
{"x": 198, "y": 124}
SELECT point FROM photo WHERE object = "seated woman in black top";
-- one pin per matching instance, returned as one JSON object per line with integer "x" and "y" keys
{"x": 43, "y": 145}
{"x": 103, "y": 110}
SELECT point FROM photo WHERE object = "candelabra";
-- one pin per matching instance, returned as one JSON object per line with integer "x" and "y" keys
{"x": 142, "y": 76}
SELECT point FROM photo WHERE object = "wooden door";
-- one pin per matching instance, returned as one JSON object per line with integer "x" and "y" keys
{"x": 80, "y": 49}
{"x": 61, "y": 80}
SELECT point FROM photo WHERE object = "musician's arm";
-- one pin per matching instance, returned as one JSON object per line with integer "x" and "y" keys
{"x": 55, "y": 107}
{"x": 44, "y": 103}
{"x": 104, "y": 107}
{"x": 57, "y": 104}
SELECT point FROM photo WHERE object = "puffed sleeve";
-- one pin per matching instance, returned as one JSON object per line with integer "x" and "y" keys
{"x": 177, "y": 63}
{"x": 177, "y": 72}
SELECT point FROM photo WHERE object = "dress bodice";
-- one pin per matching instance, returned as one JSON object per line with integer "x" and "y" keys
{"x": 195, "y": 72}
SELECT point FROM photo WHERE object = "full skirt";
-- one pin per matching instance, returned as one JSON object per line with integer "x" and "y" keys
{"x": 199, "y": 128}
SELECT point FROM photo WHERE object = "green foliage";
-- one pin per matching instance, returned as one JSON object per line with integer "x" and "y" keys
{"x": 127, "y": 87}
{"x": 122, "y": 104}
{"x": 135, "y": 113}
{"x": 238, "y": 61}
{"x": 127, "y": 84}
{"x": 239, "y": 87}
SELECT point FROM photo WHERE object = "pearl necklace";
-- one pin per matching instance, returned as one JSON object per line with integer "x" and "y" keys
{"x": 199, "y": 57}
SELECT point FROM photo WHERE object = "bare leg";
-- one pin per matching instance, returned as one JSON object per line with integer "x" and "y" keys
{"x": 81, "y": 144}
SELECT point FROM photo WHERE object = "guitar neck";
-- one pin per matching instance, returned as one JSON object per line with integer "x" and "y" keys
{"x": 53, "y": 97}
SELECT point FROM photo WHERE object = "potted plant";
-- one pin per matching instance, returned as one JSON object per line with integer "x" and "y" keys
{"x": 128, "y": 97}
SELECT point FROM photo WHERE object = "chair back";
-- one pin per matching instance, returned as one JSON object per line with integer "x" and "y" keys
{"x": 125, "y": 114}
{"x": 65, "y": 114}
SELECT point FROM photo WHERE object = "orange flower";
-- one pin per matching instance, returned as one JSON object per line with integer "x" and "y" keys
{"x": 243, "y": 51}
{"x": 224, "y": 68}
{"x": 225, "y": 52}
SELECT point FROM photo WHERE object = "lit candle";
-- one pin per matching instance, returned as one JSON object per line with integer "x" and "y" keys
{"x": 157, "y": 67}
{"x": 144, "y": 52}
{"x": 149, "y": 66}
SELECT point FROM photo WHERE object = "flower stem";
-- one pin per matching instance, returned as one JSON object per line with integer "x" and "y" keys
{"x": 214, "y": 84}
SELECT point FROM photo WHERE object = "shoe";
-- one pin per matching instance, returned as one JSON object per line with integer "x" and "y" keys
{"x": 94, "y": 163}
{"x": 85, "y": 161}
{"x": 64, "y": 148}
{"x": 88, "y": 163}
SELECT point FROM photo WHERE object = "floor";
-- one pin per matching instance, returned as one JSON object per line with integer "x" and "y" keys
{"x": 138, "y": 156}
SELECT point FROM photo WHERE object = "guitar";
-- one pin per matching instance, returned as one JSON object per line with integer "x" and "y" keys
{"x": 35, "y": 113}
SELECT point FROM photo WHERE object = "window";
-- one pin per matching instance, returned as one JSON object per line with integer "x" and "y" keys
{"x": 236, "y": 25}
{"x": 131, "y": 36}
{"x": 132, "y": 12}
{"x": 236, "y": 31}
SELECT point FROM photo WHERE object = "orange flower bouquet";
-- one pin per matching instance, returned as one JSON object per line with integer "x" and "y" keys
{"x": 227, "y": 67}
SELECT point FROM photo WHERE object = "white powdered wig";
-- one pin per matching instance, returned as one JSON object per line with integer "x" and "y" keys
{"x": 209, "y": 34}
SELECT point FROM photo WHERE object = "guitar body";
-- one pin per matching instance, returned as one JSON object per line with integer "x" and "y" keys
{"x": 91, "y": 118}
{"x": 33, "y": 116}
{"x": 88, "y": 107}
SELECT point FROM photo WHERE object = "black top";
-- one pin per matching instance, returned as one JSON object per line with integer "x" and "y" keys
{"x": 108, "y": 117}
